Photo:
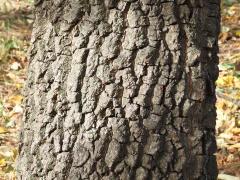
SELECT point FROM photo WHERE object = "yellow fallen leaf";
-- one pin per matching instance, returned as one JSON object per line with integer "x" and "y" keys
{"x": 221, "y": 104}
{"x": 237, "y": 33}
{"x": 3, "y": 130}
{"x": 15, "y": 153}
{"x": 19, "y": 85}
{"x": 16, "y": 99}
{"x": 2, "y": 162}
{"x": 237, "y": 145}
{"x": 237, "y": 82}
{"x": 236, "y": 131}
{"x": 226, "y": 81}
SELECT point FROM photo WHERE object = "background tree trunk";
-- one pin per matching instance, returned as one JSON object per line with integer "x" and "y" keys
{"x": 121, "y": 89}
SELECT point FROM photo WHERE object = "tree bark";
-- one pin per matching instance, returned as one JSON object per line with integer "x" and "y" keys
{"x": 121, "y": 89}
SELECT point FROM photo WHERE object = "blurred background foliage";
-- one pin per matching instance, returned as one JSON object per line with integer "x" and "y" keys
{"x": 15, "y": 30}
{"x": 228, "y": 91}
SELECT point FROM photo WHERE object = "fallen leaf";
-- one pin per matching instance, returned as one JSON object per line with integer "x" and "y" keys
{"x": 5, "y": 151}
{"x": 226, "y": 81}
{"x": 3, "y": 162}
{"x": 15, "y": 99}
{"x": 15, "y": 66}
{"x": 237, "y": 33}
{"x": 18, "y": 109}
{"x": 3, "y": 130}
{"x": 227, "y": 177}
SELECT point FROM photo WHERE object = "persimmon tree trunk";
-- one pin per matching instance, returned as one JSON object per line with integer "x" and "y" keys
{"x": 121, "y": 89}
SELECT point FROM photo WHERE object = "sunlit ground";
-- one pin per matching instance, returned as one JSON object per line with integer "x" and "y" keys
{"x": 15, "y": 31}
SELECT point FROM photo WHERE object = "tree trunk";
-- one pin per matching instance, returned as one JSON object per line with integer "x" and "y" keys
{"x": 121, "y": 89}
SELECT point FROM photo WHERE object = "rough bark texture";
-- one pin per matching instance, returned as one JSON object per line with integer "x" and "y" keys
{"x": 121, "y": 89}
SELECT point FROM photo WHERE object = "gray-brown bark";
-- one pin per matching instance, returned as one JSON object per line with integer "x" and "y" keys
{"x": 121, "y": 89}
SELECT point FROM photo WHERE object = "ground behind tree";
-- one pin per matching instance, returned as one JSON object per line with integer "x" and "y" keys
{"x": 15, "y": 31}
